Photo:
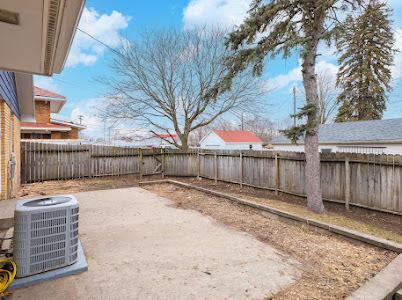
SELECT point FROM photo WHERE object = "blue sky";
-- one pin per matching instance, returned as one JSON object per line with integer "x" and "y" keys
{"x": 112, "y": 21}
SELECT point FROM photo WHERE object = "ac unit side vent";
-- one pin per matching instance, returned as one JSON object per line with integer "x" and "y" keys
{"x": 46, "y": 234}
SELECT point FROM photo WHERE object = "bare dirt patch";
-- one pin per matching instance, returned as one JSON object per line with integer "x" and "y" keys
{"x": 333, "y": 266}
{"x": 380, "y": 224}
{"x": 77, "y": 185}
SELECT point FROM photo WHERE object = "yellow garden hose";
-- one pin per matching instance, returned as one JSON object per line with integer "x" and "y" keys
{"x": 7, "y": 274}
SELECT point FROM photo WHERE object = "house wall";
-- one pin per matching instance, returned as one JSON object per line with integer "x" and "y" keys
{"x": 213, "y": 141}
{"x": 73, "y": 134}
{"x": 56, "y": 135}
{"x": 42, "y": 111}
{"x": 8, "y": 91}
{"x": 384, "y": 148}
{"x": 9, "y": 147}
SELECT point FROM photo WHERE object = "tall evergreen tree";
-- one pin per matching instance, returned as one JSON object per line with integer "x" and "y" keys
{"x": 366, "y": 46}
{"x": 282, "y": 27}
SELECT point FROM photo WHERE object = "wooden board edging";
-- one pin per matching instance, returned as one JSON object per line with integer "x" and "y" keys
{"x": 343, "y": 231}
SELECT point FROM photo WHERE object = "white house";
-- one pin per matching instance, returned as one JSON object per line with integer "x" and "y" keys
{"x": 231, "y": 140}
{"x": 141, "y": 138}
{"x": 162, "y": 140}
{"x": 373, "y": 137}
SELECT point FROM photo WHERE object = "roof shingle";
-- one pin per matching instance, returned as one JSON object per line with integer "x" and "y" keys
{"x": 45, "y": 93}
{"x": 359, "y": 131}
{"x": 237, "y": 136}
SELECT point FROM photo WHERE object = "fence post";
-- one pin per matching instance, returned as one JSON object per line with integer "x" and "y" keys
{"x": 162, "y": 163}
{"x": 216, "y": 166}
{"x": 198, "y": 165}
{"x": 241, "y": 169}
{"x": 347, "y": 183}
{"x": 277, "y": 183}
{"x": 58, "y": 162}
{"x": 90, "y": 162}
{"x": 140, "y": 163}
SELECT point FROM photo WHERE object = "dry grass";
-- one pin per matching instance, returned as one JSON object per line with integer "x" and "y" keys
{"x": 332, "y": 266}
{"x": 378, "y": 224}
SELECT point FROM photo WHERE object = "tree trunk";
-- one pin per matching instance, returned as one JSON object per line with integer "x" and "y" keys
{"x": 312, "y": 174}
{"x": 184, "y": 142}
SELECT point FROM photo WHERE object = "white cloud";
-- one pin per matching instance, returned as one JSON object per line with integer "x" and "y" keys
{"x": 47, "y": 83}
{"x": 106, "y": 28}
{"x": 225, "y": 13}
{"x": 295, "y": 75}
{"x": 397, "y": 68}
{"x": 283, "y": 80}
{"x": 87, "y": 109}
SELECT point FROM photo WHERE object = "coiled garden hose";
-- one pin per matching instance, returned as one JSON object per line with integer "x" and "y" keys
{"x": 8, "y": 269}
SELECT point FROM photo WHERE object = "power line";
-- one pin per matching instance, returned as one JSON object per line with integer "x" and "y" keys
{"x": 99, "y": 41}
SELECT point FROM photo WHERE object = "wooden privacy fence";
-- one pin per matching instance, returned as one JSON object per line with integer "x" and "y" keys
{"x": 48, "y": 161}
{"x": 372, "y": 181}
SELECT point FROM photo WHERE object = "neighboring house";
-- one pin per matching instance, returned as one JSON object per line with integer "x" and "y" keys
{"x": 45, "y": 127}
{"x": 231, "y": 140}
{"x": 159, "y": 140}
{"x": 141, "y": 138}
{"x": 372, "y": 137}
{"x": 163, "y": 140}
{"x": 35, "y": 39}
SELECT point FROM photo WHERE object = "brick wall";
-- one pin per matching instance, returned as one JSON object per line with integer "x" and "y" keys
{"x": 56, "y": 135}
{"x": 9, "y": 143}
{"x": 73, "y": 134}
{"x": 42, "y": 111}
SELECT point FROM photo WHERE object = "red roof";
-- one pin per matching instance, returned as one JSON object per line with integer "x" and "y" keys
{"x": 43, "y": 125}
{"x": 166, "y": 135}
{"x": 44, "y": 93}
{"x": 237, "y": 136}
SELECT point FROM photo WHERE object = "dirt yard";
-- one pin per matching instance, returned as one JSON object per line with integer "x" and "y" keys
{"x": 380, "y": 224}
{"x": 333, "y": 266}
{"x": 77, "y": 185}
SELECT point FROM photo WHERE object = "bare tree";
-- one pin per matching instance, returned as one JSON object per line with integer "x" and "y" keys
{"x": 262, "y": 127}
{"x": 327, "y": 93}
{"x": 162, "y": 82}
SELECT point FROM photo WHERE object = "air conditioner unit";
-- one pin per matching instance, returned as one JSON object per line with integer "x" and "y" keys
{"x": 45, "y": 234}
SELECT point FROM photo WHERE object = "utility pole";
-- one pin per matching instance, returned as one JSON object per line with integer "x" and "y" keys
{"x": 294, "y": 106}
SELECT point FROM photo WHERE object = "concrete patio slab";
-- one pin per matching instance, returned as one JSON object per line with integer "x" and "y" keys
{"x": 139, "y": 247}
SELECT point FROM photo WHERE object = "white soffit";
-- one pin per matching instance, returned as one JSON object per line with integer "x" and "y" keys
{"x": 40, "y": 42}
{"x": 24, "y": 85}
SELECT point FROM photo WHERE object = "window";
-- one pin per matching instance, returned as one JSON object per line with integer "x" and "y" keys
{"x": 326, "y": 150}
{"x": 29, "y": 136}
